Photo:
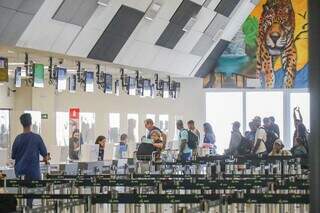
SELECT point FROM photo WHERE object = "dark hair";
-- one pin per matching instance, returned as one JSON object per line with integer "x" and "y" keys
{"x": 266, "y": 120}
{"x": 123, "y": 137}
{"x": 272, "y": 119}
{"x": 207, "y": 128}
{"x": 26, "y": 120}
{"x": 191, "y": 122}
{"x": 100, "y": 138}
{"x": 75, "y": 131}
{"x": 180, "y": 123}
{"x": 148, "y": 121}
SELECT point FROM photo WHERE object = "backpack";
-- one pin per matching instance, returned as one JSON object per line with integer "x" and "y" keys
{"x": 245, "y": 146}
{"x": 193, "y": 139}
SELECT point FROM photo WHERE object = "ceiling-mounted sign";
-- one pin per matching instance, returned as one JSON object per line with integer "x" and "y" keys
{"x": 4, "y": 76}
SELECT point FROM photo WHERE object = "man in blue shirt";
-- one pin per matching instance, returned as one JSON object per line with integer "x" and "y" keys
{"x": 185, "y": 152}
{"x": 26, "y": 150}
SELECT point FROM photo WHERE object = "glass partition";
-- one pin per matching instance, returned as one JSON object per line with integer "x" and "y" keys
{"x": 265, "y": 104}
{"x": 4, "y": 128}
{"x": 62, "y": 128}
{"x": 87, "y": 123}
{"x": 133, "y": 125}
{"x": 222, "y": 109}
{"x": 114, "y": 127}
{"x": 164, "y": 123}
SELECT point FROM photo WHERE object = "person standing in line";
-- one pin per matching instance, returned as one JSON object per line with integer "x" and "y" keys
{"x": 259, "y": 146}
{"x": 123, "y": 146}
{"x": 149, "y": 125}
{"x": 26, "y": 149}
{"x": 274, "y": 127}
{"x": 236, "y": 138}
{"x": 101, "y": 141}
{"x": 75, "y": 145}
{"x": 185, "y": 152}
{"x": 209, "y": 140}
{"x": 195, "y": 131}
{"x": 278, "y": 149}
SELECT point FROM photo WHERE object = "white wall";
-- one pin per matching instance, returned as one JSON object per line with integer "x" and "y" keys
{"x": 190, "y": 105}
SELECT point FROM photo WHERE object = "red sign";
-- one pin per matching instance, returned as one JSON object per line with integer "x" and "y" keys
{"x": 74, "y": 113}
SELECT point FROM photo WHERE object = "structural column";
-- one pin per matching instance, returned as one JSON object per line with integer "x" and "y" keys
{"x": 314, "y": 79}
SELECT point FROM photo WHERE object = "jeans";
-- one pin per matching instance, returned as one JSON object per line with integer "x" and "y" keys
{"x": 186, "y": 156}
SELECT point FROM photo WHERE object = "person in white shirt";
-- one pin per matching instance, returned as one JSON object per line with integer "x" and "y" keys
{"x": 259, "y": 146}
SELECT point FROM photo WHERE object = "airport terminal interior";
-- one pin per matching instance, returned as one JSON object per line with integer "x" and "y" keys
{"x": 151, "y": 106}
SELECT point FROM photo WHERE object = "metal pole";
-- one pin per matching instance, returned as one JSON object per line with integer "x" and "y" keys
{"x": 314, "y": 81}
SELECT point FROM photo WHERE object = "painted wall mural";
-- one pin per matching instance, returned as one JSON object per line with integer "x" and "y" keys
{"x": 272, "y": 46}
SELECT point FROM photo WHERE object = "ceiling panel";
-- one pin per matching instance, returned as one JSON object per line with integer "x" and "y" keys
{"x": 200, "y": 2}
{"x": 65, "y": 38}
{"x": 5, "y": 16}
{"x": 183, "y": 64}
{"x": 210, "y": 63}
{"x": 14, "y": 29}
{"x": 185, "y": 11}
{"x": 219, "y": 22}
{"x": 163, "y": 59}
{"x": 225, "y": 7}
{"x": 84, "y": 42}
{"x": 141, "y": 5}
{"x": 202, "y": 46}
{"x": 11, "y": 4}
{"x": 150, "y": 31}
{"x": 168, "y": 8}
{"x": 84, "y": 12}
{"x": 76, "y": 12}
{"x": 170, "y": 36}
{"x": 211, "y": 4}
{"x": 204, "y": 18}
{"x": 116, "y": 34}
{"x": 188, "y": 41}
{"x": 30, "y": 6}
{"x": 94, "y": 28}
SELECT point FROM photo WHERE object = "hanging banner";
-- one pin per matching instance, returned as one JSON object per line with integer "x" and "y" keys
{"x": 74, "y": 134}
{"x": 4, "y": 76}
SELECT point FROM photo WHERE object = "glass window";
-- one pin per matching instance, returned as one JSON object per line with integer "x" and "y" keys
{"x": 62, "y": 128}
{"x": 87, "y": 122}
{"x": 222, "y": 109}
{"x": 4, "y": 128}
{"x": 36, "y": 121}
{"x": 301, "y": 100}
{"x": 164, "y": 123}
{"x": 114, "y": 127}
{"x": 133, "y": 125}
{"x": 265, "y": 104}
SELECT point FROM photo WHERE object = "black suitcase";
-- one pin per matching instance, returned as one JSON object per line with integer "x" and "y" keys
{"x": 145, "y": 151}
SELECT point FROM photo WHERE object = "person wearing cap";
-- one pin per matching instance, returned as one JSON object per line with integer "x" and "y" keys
{"x": 236, "y": 138}
{"x": 26, "y": 150}
{"x": 278, "y": 149}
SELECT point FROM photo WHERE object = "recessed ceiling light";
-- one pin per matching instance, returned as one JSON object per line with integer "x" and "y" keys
{"x": 152, "y": 11}
{"x": 103, "y": 3}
